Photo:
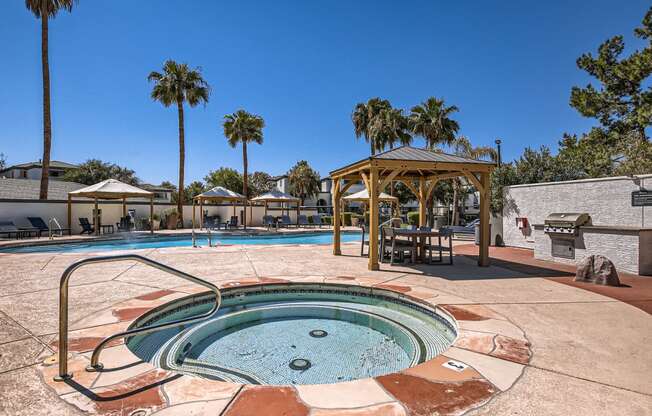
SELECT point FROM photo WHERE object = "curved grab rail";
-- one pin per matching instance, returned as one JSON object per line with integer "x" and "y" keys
{"x": 63, "y": 309}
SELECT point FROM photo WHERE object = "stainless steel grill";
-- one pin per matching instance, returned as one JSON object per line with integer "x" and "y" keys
{"x": 565, "y": 223}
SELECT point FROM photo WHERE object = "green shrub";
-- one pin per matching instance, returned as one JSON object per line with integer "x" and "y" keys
{"x": 413, "y": 218}
{"x": 310, "y": 219}
{"x": 346, "y": 219}
{"x": 327, "y": 219}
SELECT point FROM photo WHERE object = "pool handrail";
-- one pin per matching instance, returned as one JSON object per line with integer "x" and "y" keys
{"x": 63, "y": 309}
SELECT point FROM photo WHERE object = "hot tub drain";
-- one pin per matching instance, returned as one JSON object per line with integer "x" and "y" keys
{"x": 318, "y": 333}
{"x": 300, "y": 364}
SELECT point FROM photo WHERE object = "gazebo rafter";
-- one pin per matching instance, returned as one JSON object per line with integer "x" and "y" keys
{"x": 419, "y": 170}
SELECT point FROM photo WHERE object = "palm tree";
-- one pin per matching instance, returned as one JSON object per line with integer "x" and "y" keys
{"x": 363, "y": 116}
{"x": 243, "y": 127}
{"x": 390, "y": 127}
{"x": 463, "y": 147}
{"x": 431, "y": 120}
{"x": 44, "y": 10}
{"x": 179, "y": 84}
{"x": 304, "y": 181}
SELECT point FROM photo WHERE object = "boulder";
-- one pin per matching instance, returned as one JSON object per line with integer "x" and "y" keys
{"x": 597, "y": 269}
{"x": 604, "y": 271}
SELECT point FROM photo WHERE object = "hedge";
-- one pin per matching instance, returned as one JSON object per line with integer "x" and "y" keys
{"x": 413, "y": 218}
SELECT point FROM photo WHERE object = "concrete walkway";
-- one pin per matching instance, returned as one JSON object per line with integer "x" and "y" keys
{"x": 590, "y": 352}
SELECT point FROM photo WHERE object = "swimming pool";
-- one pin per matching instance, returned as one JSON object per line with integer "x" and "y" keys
{"x": 295, "y": 334}
{"x": 182, "y": 241}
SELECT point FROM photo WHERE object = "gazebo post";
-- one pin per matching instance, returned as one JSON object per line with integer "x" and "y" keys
{"x": 298, "y": 211}
{"x": 97, "y": 219}
{"x": 244, "y": 214}
{"x": 193, "y": 213}
{"x": 201, "y": 213}
{"x": 422, "y": 201}
{"x": 336, "y": 218}
{"x": 70, "y": 213}
{"x": 485, "y": 237}
{"x": 373, "y": 219}
{"x": 151, "y": 214}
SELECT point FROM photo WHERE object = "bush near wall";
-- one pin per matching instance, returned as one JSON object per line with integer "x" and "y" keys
{"x": 413, "y": 218}
{"x": 326, "y": 219}
{"x": 346, "y": 219}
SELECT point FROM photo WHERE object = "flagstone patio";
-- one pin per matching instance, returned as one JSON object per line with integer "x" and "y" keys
{"x": 534, "y": 342}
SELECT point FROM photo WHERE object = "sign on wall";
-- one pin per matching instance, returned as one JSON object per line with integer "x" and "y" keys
{"x": 642, "y": 198}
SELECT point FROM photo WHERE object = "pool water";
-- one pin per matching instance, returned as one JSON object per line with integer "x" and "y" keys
{"x": 295, "y": 334}
{"x": 184, "y": 241}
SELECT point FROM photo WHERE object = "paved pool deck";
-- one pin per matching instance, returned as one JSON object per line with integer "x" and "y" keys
{"x": 588, "y": 349}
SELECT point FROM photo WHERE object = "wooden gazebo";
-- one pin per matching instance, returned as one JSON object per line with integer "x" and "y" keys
{"x": 419, "y": 170}
{"x": 216, "y": 194}
{"x": 111, "y": 189}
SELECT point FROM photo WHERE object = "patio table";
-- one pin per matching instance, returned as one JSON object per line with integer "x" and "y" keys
{"x": 418, "y": 238}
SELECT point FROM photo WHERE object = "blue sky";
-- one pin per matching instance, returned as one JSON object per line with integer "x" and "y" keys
{"x": 303, "y": 65}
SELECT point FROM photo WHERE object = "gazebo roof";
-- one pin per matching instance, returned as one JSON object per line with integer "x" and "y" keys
{"x": 364, "y": 196}
{"x": 413, "y": 159}
{"x": 111, "y": 189}
{"x": 221, "y": 193}
{"x": 275, "y": 196}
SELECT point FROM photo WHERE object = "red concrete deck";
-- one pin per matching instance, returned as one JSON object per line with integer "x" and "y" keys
{"x": 634, "y": 290}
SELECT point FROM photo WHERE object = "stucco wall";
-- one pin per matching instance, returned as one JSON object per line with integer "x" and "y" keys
{"x": 607, "y": 200}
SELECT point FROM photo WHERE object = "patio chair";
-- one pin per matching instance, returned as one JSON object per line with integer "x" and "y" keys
{"x": 285, "y": 221}
{"x": 398, "y": 246}
{"x": 87, "y": 227}
{"x": 268, "y": 221}
{"x": 445, "y": 232}
{"x": 302, "y": 221}
{"x": 233, "y": 222}
{"x": 364, "y": 242}
{"x": 316, "y": 220}
{"x": 41, "y": 226}
{"x": 124, "y": 224}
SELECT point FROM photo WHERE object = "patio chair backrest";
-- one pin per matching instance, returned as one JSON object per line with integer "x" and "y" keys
{"x": 268, "y": 220}
{"x": 285, "y": 219}
{"x": 7, "y": 226}
{"x": 388, "y": 231}
{"x": 302, "y": 219}
{"x": 425, "y": 229}
{"x": 86, "y": 225}
{"x": 445, "y": 232}
{"x": 316, "y": 219}
{"x": 37, "y": 222}
{"x": 234, "y": 220}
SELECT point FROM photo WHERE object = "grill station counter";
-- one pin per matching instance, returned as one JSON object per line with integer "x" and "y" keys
{"x": 569, "y": 237}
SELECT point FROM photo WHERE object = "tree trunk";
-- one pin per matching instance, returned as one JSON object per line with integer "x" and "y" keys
{"x": 373, "y": 149}
{"x": 245, "y": 180}
{"x": 182, "y": 159}
{"x": 47, "y": 122}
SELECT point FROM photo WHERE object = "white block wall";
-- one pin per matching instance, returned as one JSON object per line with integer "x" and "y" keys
{"x": 607, "y": 200}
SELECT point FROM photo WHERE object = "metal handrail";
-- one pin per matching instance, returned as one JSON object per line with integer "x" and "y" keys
{"x": 63, "y": 309}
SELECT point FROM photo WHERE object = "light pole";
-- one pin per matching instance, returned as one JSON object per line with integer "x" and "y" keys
{"x": 498, "y": 150}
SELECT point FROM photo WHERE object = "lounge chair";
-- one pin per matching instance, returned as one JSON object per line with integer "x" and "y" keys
{"x": 268, "y": 221}
{"x": 316, "y": 220}
{"x": 233, "y": 222}
{"x": 302, "y": 221}
{"x": 8, "y": 228}
{"x": 39, "y": 224}
{"x": 86, "y": 226}
{"x": 285, "y": 221}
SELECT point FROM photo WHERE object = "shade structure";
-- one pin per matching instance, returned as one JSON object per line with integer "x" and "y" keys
{"x": 277, "y": 196}
{"x": 419, "y": 170}
{"x": 363, "y": 196}
{"x": 220, "y": 193}
{"x": 111, "y": 189}
{"x": 216, "y": 194}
